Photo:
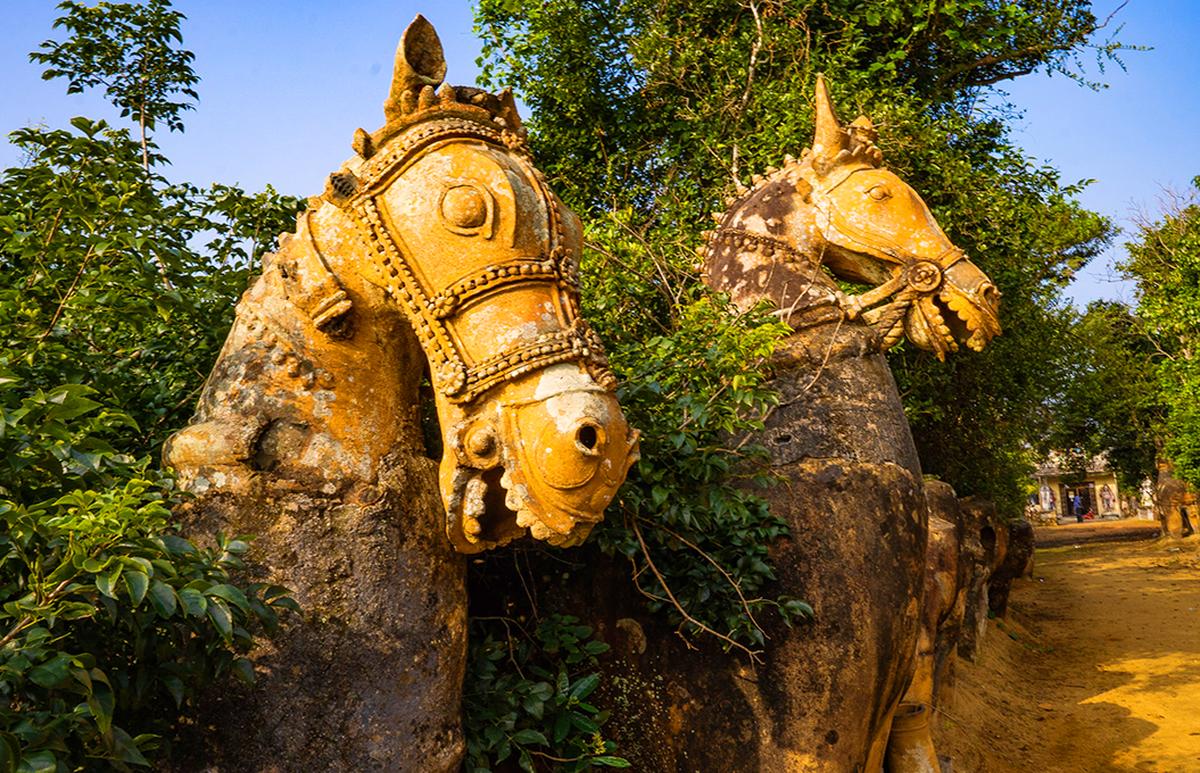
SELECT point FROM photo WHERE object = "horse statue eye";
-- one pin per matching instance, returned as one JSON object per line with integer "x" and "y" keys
{"x": 468, "y": 209}
{"x": 879, "y": 192}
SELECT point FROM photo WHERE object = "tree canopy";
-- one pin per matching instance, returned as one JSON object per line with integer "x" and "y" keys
{"x": 1165, "y": 261}
{"x": 1110, "y": 404}
{"x": 645, "y": 113}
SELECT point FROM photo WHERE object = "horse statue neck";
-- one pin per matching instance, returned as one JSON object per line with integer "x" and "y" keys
{"x": 767, "y": 246}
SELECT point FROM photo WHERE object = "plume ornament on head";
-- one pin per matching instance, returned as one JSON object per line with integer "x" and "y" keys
{"x": 419, "y": 92}
{"x": 420, "y": 64}
{"x": 828, "y": 138}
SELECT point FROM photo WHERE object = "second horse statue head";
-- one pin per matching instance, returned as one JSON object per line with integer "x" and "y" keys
{"x": 840, "y": 208}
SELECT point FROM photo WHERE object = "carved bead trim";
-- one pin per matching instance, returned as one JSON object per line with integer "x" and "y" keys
{"x": 446, "y": 363}
{"x": 748, "y": 240}
{"x": 428, "y": 316}
{"x": 376, "y": 172}
{"x": 447, "y": 303}
{"x": 549, "y": 349}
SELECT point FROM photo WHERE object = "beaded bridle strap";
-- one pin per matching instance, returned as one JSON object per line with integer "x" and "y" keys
{"x": 432, "y": 313}
{"x": 915, "y": 277}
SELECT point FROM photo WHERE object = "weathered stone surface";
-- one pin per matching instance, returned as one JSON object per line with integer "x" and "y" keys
{"x": 910, "y": 744}
{"x": 370, "y": 680}
{"x": 1175, "y": 503}
{"x": 436, "y": 250}
{"x": 682, "y": 709}
{"x": 1018, "y": 562}
{"x": 943, "y": 506}
{"x": 851, "y": 492}
{"x": 985, "y": 539}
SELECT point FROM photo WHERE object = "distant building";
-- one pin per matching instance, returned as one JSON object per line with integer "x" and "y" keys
{"x": 1062, "y": 490}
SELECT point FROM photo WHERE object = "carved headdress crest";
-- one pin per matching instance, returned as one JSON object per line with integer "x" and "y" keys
{"x": 418, "y": 92}
{"x": 835, "y": 147}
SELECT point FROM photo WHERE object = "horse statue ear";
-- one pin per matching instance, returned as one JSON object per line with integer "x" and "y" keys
{"x": 420, "y": 65}
{"x": 829, "y": 138}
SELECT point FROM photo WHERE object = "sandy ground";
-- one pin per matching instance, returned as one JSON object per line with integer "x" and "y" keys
{"x": 1097, "y": 667}
{"x": 1095, "y": 531}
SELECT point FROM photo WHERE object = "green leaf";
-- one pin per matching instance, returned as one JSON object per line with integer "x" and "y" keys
{"x": 10, "y": 752}
{"x": 53, "y": 672}
{"x": 175, "y": 687}
{"x": 38, "y": 762}
{"x": 219, "y": 613}
{"x": 584, "y": 687}
{"x": 125, "y": 750}
{"x": 611, "y": 762}
{"x": 101, "y": 702}
{"x": 562, "y": 726}
{"x": 562, "y": 683}
{"x": 230, "y": 594}
{"x": 193, "y": 602}
{"x": 137, "y": 583}
{"x": 534, "y": 706}
{"x": 162, "y": 598}
{"x": 529, "y": 736}
{"x": 583, "y": 723}
{"x": 106, "y": 583}
{"x": 177, "y": 545}
{"x": 243, "y": 669}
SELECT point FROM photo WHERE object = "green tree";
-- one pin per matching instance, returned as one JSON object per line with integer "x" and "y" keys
{"x": 87, "y": 239}
{"x": 116, "y": 290}
{"x": 132, "y": 51}
{"x": 109, "y": 621}
{"x": 1110, "y": 403}
{"x": 1165, "y": 263}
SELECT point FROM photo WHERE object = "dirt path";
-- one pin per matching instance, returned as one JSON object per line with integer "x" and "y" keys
{"x": 1096, "y": 669}
{"x": 1095, "y": 531}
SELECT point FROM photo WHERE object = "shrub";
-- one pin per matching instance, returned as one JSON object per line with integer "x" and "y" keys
{"x": 110, "y": 621}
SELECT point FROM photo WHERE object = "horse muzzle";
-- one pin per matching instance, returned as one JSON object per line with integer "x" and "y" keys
{"x": 547, "y": 465}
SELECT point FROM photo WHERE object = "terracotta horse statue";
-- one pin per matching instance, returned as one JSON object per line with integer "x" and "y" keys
{"x": 852, "y": 487}
{"x": 437, "y": 252}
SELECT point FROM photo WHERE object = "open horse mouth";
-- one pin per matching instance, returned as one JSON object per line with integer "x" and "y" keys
{"x": 941, "y": 321}
{"x": 547, "y": 464}
{"x": 496, "y": 509}
{"x": 972, "y": 321}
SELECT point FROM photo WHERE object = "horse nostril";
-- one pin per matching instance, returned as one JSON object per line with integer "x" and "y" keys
{"x": 587, "y": 437}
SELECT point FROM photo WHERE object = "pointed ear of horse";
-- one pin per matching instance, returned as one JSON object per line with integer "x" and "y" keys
{"x": 829, "y": 138}
{"x": 419, "y": 63}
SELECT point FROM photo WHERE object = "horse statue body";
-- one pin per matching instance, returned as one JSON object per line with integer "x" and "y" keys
{"x": 436, "y": 252}
{"x": 852, "y": 487}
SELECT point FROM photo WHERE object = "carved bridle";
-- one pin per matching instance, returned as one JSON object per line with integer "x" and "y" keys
{"x": 916, "y": 277}
{"x": 431, "y": 311}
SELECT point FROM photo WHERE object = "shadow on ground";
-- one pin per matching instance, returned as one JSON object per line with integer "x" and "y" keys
{"x": 1097, "y": 669}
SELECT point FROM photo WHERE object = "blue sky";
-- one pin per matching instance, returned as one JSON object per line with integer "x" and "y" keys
{"x": 285, "y": 83}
